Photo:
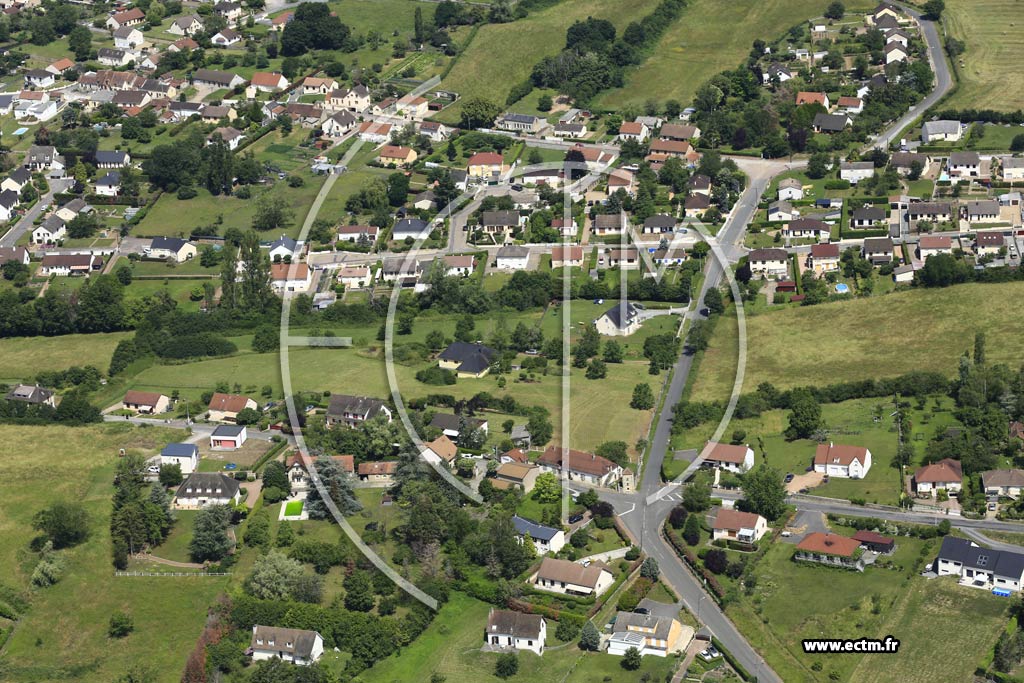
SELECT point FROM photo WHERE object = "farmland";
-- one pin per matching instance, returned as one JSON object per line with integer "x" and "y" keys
{"x": 24, "y": 357}
{"x": 990, "y": 77}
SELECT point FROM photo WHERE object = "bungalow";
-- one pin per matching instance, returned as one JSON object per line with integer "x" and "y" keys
{"x": 414, "y": 228}
{"x": 186, "y": 26}
{"x": 1004, "y": 483}
{"x": 830, "y": 123}
{"x": 116, "y": 159}
{"x": 944, "y": 475}
{"x": 515, "y": 631}
{"x": 109, "y": 185}
{"x": 983, "y": 211}
{"x": 131, "y": 99}
{"x": 514, "y": 475}
{"x": 989, "y": 243}
{"x": 678, "y": 132}
{"x": 569, "y": 578}
{"x": 771, "y": 263}
{"x": 875, "y": 542}
{"x": 895, "y": 52}
{"x": 929, "y": 245}
{"x": 352, "y": 411}
{"x": 354, "y": 277}
{"x": 183, "y": 45}
{"x": 228, "y": 437}
{"x": 941, "y": 131}
{"x": 132, "y": 17}
{"x": 979, "y": 567}
{"x": 500, "y": 225}
{"x": 317, "y": 86}
{"x": 32, "y": 394}
{"x": 622, "y": 319}
{"x": 571, "y": 256}
{"x": 184, "y": 455}
{"x": 579, "y": 466}
{"x": 412, "y": 107}
{"x": 206, "y": 489}
{"x": 803, "y": 228}
{"x": 851, "y": 105}
{"x": 934, "y": 212}
{"x": 458, "y": 265}
{"x": 852, "y": 462}
{"x": 724, "y": 456}
{"x": 16, "y": 180}
{"x": 878, "y": 250}
{"x": 830, "y": 549}
{"x": 964, "y": 165}
{"x": 355, "y": 233}
{"x": 40, "y": 78}
{"x": 226, "y": 407}
{"x": 109, "y": 56}
{"x": 521, "y": 123}
{"x": 669, "y": 257}
{"x": 1013, "y": 169}
{"x": 281, "y": 20}
{"x": 339, "y": 124}
{"x": 283, "y": 248}
{"x": 545, "y": 539}
{"x": 733, "y": 525}
{"x": 50, "y": 231}
{"x": 441, "y": 450}
{"x": 396, "y": 155}
{"x": 467, "y": 360}
{"x": 681, "y": 149}
{"x": 824, "y": 258}
{"x": 512, "y": 257}
{"x": 867, "y": 217}
{"x": 63, "y": 265}
{"x": 451, "y": 425}
{"x": 486, "y": 165}
{"x": 605, "y": 224}
{"x": 624, "y": 259}
{"x": 146, "y": 402}
{"x": 790, "y": 189}
{"x": 231, "y": 136}
{"x": 804, "y": 97}
{"x": 634, "y": 130}
{"x": 652, "y": 629}
{"x": 226, "y": 37}
{"x": 658, "y": 224}
{"x": 856, "y": 171}
{"x": 290, "y": 277}
{"x": 904, "y": 162}
{"x": 128, "y": 38}
{"x": 61, "y": 66}
{"x": 570, "y": 130}
{"x": 780, "y": 211}
{"x": 268, "y": 81}
{"x": 211, "y": 78}
{"x": 287, "y": 644}
{"x": 174, "y": 249}
{"x": 380, "y": 472}
{"x": 621, "y": 179}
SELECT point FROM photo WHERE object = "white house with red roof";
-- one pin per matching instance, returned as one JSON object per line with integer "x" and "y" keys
{"x": 852, "y": 462}
{"x": 731, "y": 457}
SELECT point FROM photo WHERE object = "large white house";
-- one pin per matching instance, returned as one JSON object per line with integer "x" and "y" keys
{"x": 852, "y": 462}
{"x": 997, "y": 570}
{"x": 517, "y": 631}
{"x": 206, "y": 489}
{"x": 652, "y": 629}
{"x": 288, "y": 644}
{"x": 734, "y": 458}
{"x": 733, "y": 525}
{"x": 588, "y": 468}
{"x": 545, "y": 539}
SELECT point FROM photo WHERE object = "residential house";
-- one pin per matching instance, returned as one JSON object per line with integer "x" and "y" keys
{"x": 1003, "y": 483}
{"x": 16, "y": 254}
{"x": 188, "y": 25}
{"x": 933, "y": 212}
{"x": 32, "y": 394}
{"x": 412, "y": 107}
{"x": 39, "y": 78}
{"x": 803, "y": 228}
{"x": 941, "y": 131}
{"x": 521, "y": 123}
{"x": 964, "y": 165}
{"x": 770, "y": 263}
{"x": 50, "y": 231}
{"x": 781, "y": 211}
{"x": 352, "y": 411}
{"x": 396, "y": 155}
{"x": 652, "y": 628}
{"x": 458, "y": 265}
{"x": 281, "y": 20}
{"x": 284, "y": 248}
{"x": 226, "y": 37}
{"x": 355, "y": 233}
{"x": 830, "y": 549}
{"x": 451, "y": 425}
{"x": 580, "y": 466}
{"x": 545, "y": 539}
{"x": 777, "y": 73}
{"x": 514, "y": 475}
{"x": 851, "y": 105}
{"x": 228, "y": 437}
{"x": 268, "y": 81}
{"x": 790, "y": 189}
{"x": 317, "y": 86}
{"x": 1013, "y": 169}
{"x": 515, "y": 631}
{"x": 669, "y": 257}
{"x": 131, "y": 17}
{"x": 674, "y": 148}
{"x": 43, "y": 158}
{"x": 226, "y": 407}
{"x": 206, "y": 489}
{"x": 867, "y": 217}
{"x": 983, "y": 211}
{"x": 339, "y": 124}
{"x": 64, "y": 265}
{"x": 109, "y": 56}
{"x": 884, "y": 10}
{"x": 61, "y": 66}
{"x": 437, "y": 132}
{"x": 658, "y": 224}
{"x": 516, "y": 455}
{"x": 380, "y": 472}
{"x": 69, "y": 210}
{"x": 354, "y": 277}
{"x": 622, "y": 319}
{"x": 131, "y": 99}
{"x": 624, "y": 259}
{"x": 985, "y": 568}
{"x": 16, "y": 180}
{"x": 116, "y": 159}
{"x": 605, "y": 224}
{"x": 804, "y": 97}
{"x": 441, "y": 450}
{"x": 355, "y": 100}
{"x": 414, "y": 228}
{"x": 145, "y": 402}
{"x": 109, "y": 185}
{"x": 929, "y": 245}
{"x": 634, "y": 130}
{"x": 183, "y": 45}
{"x": 830, "y": 123}
{"x": 292, "y": 645}
{"x": 856, "y": 171}
{"x": 895, "y": 52}
{"x": 875, "y": 542}
{"x": 736, "y": 458}
{"x": 944, "y": 475}
{"x": 904, "y": 162}
{"x": 467, "y": 360}
{"x": 851, "y": 462}
{"x": 184, "y": 455}
{"x": 621, "y": 179}
{"x": 128, "y": 38}
{"x": 211, "y": 78}
{"x": 824, "y": 258}
{"x": 486, "y": 165}
{"x": 563, "y": 576}
{"x": 989, "y": 243}
{"x": 9, "y": 201}
{"x": 290, "y": 277}
{"x": 733, "y": 525}
{"x": 878, "y": 250}
{"x": 566, "y": 256}
{"x": 229, "y": 11}
{"x": 512, "y": 257}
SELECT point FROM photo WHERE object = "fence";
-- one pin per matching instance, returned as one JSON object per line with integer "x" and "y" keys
{"x": 136, "y": 573}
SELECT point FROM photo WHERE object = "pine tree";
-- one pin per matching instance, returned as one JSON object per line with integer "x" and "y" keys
{"x": 590, "y": 639}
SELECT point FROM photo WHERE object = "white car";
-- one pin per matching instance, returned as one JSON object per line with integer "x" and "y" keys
{"x": 155, "y": 469}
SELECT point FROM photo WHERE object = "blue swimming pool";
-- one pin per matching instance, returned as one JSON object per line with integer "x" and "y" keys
{"x": 842, "y": 288}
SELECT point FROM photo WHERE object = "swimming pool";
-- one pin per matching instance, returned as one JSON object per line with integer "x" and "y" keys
{"x": 841, "y": 288}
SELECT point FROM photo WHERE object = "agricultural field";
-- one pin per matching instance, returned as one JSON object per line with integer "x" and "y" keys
{"x": 685, "y": 58}
{"x": 989, "y": 70}
{"x": 22, "y": 358}
{"x": 865, "y": 338}
{"x": 70, "y": 630}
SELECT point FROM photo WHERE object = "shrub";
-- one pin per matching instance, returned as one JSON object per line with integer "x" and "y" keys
{"x": 121, "y": 625}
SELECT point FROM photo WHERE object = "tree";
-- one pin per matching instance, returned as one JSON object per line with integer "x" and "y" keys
{"x": 612, "y": 352}
{"x": 121, "y": 625}
{"x": 643, "y": 397}
{"x": 338, "y": 484}
{"x": 677, "y": 518}
{"x": 266, "y": 339}
{"x": 597, "y": 369}
{"x": 835, "y": 11}
{"x": 210, "y": 540}
{"x": 716, "y": 561}
{"x": 274, "y": 576}
{"x": 649, "y": 569}
{"x": 170, "y": 475}
{"x": 804, "y": 416}
{"x": 691, "y": 530}
{"x": 546, "y": 488}
{"x": 631, "y": 660}
{"x": 544, "y": 103}
{"x": 80, "y": 42}
{"x": 65, "y": 524}
{"x": 697, "y": 496}
{"x": 933, "y": 9}
{"x": 272, "y": 213}
{"x": 507, "y": 665}
{"x": 818, "y": 165}
{"x": 478, "y": 112}
{"x": 285, "y": 535}
{"x": 590, "y": 639}
{"x": 275, "y": 474}
{"x": 979, "y": 348}
{"x": 124, "y": 274}
{"x": 359, "y": 592}
{"x": 765, "y": 492}
{"x": 1017, "y": 144}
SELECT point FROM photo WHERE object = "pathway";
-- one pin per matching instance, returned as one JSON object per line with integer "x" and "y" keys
{"x": 170, "y": 563}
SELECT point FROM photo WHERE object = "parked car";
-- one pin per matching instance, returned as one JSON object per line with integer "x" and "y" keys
{"x": 155, "y": 469}
{"x": 789, "y": 477}
{"x": 786, "y": 534}
{"x": 578, "y": 517}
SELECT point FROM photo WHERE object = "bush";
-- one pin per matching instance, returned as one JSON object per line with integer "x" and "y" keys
{"x": 507, "y": 665}
{"x": 121, "y": 625}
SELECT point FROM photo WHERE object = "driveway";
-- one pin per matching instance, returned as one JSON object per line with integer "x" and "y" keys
{"x": 808, "y": 480}
{"x": 805, "y": 522}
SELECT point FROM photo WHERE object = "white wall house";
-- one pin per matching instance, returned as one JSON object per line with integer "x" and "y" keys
{"x": 515, "y": 631}
{"x": 852, "y": 462}
{"x": 288, "y": 644}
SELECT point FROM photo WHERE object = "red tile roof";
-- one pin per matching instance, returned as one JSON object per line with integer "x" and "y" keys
{"x": 830, "y": 544}
{"x": 946, "y": 470}
{"x": 724, "y": 452}
{"x": 735, "y": 520}
{"x": 837, "y": 454}
{"x": 228, "y": 403}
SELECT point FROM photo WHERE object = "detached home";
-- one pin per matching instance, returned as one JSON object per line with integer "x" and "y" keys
{"x": 206, "y": 489}
{"x": 563, "y": 576}
{"x": 733, "y": 525}
{"x": 878, "y": 250}
{"x": 1007, "y": 483}
{"x": 944, "y": 475}
{"x": 467, "y": 360}
{"x": 979, "y": 567}
{"x": 512, "y": 257}
{"x": 771, "y": 263}
{"x": 515, "y": 631}
{"x": 734, "y": 458}
{"x": 226, "y": 407}
{"x": 352, "y": 411}
{"x": 852, "y": 462}
{"x": 580, "y": 466}
{"x": 146, "y": 402}
{"x": 63, "y": 265}
{"x": 941, "y": 131}
{"x": 516, "y": 475}
{"x": 652, "y": 629}
{"x": 964, "y": 165}
{"x": 856, "y": 171}
{"x": 622, "y": 319}
{"x": 287, "y": 644}
{"x": 830, "y": 549}
{"x": 184, "y": 455}
{"x": 545, "y": 539}
{"x": 170, "y": 248}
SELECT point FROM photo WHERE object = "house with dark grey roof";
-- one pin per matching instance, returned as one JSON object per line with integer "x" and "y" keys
{"x": 287, "y": 644}
{"x": 31, "y": 393}
{"x": 545, "y": 539}
{"x": 867, "y": 217}
{"x": 941, "y": 131}
{"x": 979, "y": 567}
{"x": 830, "y": 123}
{"x": 520, "y": 123}
{"x": 416, "y": 228}
{"x": 622, "y": 319}
{"x": 467, "y": 359}
{"x": 115, "y": 159}
{"x": 352, "y": 411}
{"x": 964, "y": 164}
{"x": 878, "y": 250}
{"x": 206, "y": 489}
{"x": 16, "y": 180}
{"x": 184, "y": 455}
{"x": 450, "y": 425}
{"x": 175, "y": 248}
{"x": 228, "y": 437}
{"x": 508, "y": 630}
{"x": 652, "y": 629}
{"x": 659, "y": 223}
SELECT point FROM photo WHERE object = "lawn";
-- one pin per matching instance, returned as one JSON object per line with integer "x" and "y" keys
{"x": 795, "y": 601}
{"x": 990, "y": 77}
{"x": 21, "y": 358}
{"x": 685, "y": 58}
{"x": 865, "y": 338}
{"x": 293, "y": 508}
{"x": 175, "y": 546}
{"x": 179, "y": 289}
{"x": 503, "y": 55}
{"x": 68, "y": 621}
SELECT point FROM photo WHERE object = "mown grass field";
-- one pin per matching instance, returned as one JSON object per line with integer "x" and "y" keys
{"x": 21, "y": 358}
{"x": 921, "y": 329}
{"x": 990, "y": 77}
{"x": 706, "y": 40}
{"x": 63, "y": 634}
{"x": 795, "y": 601}
{"x": 503, "y": 55}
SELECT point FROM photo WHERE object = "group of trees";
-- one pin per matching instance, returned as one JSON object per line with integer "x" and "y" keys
{"x": 187, "y": 162}
{"x": 98, "y": 306}
{"x": 139, "y": 520}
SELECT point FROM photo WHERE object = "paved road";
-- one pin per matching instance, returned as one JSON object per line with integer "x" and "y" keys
{"x": 25, "y": 224}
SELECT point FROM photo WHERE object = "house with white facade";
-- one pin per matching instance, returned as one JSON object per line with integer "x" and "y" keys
{"x": 732, "y": 457}
{"x": 733, "y": 525}
{"x": 287, "y": 644}
{"x": 587, "y": 468}
{"x": 515, "y": 631}
{"x": 206, "y": 489}
{"x": 851, "y": 462}
{"x": 184, "y": 455}
{"x": 545, "y": 539}
{"x": 977, "y": 567}
{"x": 570, "y": 578}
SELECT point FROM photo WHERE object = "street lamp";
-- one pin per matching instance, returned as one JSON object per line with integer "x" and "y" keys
{"x": 702, "y": 599}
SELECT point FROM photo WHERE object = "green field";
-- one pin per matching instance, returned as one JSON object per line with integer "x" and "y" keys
{"x": 706, "y": 40}
{"x": 21, "y": 358}
{"x": 851, "y": 340}
{"x": 990, "y": 77}
{"x": 68, "y": 621}
{"x": 503, "y": 55}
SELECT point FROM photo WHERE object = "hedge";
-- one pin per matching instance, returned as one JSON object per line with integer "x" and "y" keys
{"x": 744, "y": 674}
{"x": 679, "y": 545}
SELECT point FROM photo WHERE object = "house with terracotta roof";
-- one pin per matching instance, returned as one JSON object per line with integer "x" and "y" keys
{"x": 145, "y": 402}
{"x": 486, "y": 165}
{"x": 852, "y": 462}
{"x": 380, "y": 472}
{"x": 580, "y": 466}
{"x": 804, "y": 97}
{"x": 731, "y": 457}
{"x": 132, "y": 17}
{"x": 396, "y": 155}
{"x": 563, "y": 576}
{"x": 945, "y": 475}
{"x": 930, "y": 245}
{"x": 290, "y": 277}
{"x": 514, "y": 455}
{"x": 566, "y": 256}
{"x": 733, "y": 525}
{"x": 830, "y": 549}
{"x": 634, "y": 130}
{"x": 318, "y": 86}
{"x": 60, "y": 66}
{"x": 226, "y": 407}
{"x": 515, "y": 475}
{"x": 824, "y": 258}
{"x": 268, "y": 81}
{"x": 441, "y": 450}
